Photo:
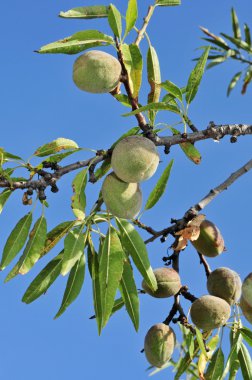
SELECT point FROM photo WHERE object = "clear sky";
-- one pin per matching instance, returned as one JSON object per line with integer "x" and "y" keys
{"x": 39, "y": 103}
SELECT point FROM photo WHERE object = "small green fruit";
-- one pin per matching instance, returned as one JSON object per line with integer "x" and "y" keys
{"x": 96, "y": 72}
{"x": 159, "y": 344}
{"x": 246, "y": 309}
{"x": 226, "y": 284}
{"x": 210, "y": 312}
{"x": 122, "y": 199}
{"x": 134, "y": 159}
{"x": 168, "y": 282}
{"x": 247, "y": 289}
{"x": 210, "y": 242}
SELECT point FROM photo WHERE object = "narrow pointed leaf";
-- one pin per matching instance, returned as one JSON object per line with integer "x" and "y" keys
{"x": 110, "y": 272}
{"x": 44, "y": 279}
{"x": 235, "y": 24}
{"x": 59, "y": 157}
{"x": 233, "y": 82}
{"x": 78, "y": 42}
{"x": 95, "y": 11}
{"x": 118, "y": 304}
{"x": 135, "y": 247}
{"x": 133, "y": 61}
{"x": 74, "y": 285}
{"x": 239, "y": 43}
{"x": 129, "y": 293}
{"x": 74, "y": 245}
{"x": 196, "y": 76}
{"x": 115, "y": 20}
{"x": 55, "y": 146}
{"x": 16, "y": 240}
{"x": 216, "y": 61}
{"x": 154, "y": 78}
{"x": 167, "y": 3}
{"x": 103, "y": 169}
{"x": 34, "y": 247}
{"x": 247, "y": 34}
{"x": 200, "y": 341}
{"x": 235, "y": 347}
{"x": 245, "y": 362}
{"x": 4, "y": 195}
{"x": 247, "y": 335}
{"x": 189, "y": 149}
{"x": 79, "y": 198}
{"x": 172, "y": 88}
{"x": 160, "y": 187}
{"x": 161, "y": 106}
{"x": 216, "y": 366}
{"x": 56, "y": 234}
{"x": 131, "y": 15}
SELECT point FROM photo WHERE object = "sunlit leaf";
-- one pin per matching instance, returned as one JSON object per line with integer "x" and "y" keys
{"x": 196, "y": 76}
{"x": 160, "y": 187}
{"x": 74, "y": 245}
{"x": 44, "y": 279}
{"x": 239, "y": 43}
{"x": 167, "y": 3}
{"x": 79, "y": 198}
{"x": 245, "y": 362}
{"x": 131, "y": 15}
{"x": 110, "y": 272}
{"x": 96, "y": 285}
{"x": 247, "y": 34}
{"x": 200, "y": 341}
{"x": 189, "y": 149}
{"x": 247, "y": 335}
{"x": 115, "y": 20}
{"x": 16, "y": 240}
{"x": 55, "y": 146}
{"x": 133, "y": 61}
{"x": 95, "y": 11}
{"x": 235, "y": 24}
{"x": 233, "y": 82}
{"x": 56, "y": 234}
{"x": 161, "y": 106}
{"x": 172, "y": 88}
{"x": 135, "y": 247}
{"x": 74, "y": 285}
{"x": 129, "y": 293}
{"x": 216, "y": 366}
{"x": 4, "y": 195}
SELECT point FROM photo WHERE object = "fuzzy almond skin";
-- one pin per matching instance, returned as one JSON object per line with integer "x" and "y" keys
{"x": 225, "y": 283}
{"x": 96, "y": 72}
{"x": 168, "y": 282}
{"x": 247, "y": 289}
{"x": 159, "y": 344}
{"x": 246, "y": 309}
{"x": 210, "y": 312}
{"x": 122, "y": 199}
{"x": 135, "y": 159}
{"x": 210, "y": 242}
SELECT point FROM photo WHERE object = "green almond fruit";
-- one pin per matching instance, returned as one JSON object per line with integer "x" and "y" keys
{"x": 225, "y": 283}
{"x": 210, "y": 243}
{"x": 168, "y": 283}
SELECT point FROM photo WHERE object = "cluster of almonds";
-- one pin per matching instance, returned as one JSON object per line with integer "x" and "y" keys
{"x": 134, "y": 159}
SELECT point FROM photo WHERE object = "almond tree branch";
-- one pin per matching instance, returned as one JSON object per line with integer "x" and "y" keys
{"x": 145, "y": 24}
{"x": 194, "y": 210}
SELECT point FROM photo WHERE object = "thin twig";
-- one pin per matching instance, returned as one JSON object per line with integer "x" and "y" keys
{"x": 205, "y": 264}
{"x": 145, "y": 24}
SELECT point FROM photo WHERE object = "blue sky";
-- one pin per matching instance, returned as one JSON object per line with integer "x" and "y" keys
{"x": 39, "y": 103}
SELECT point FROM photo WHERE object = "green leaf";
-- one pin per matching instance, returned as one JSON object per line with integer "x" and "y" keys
{"x": 154, "y": 78}
{"x": 247, "y": 34}
{"x": 134, "y": 246}
{"x": 79, "y": 198}
{"x": 10, "y": 157}
{"x": 245, "y": 362}
{"x": 115, "y": 20}
{"x": 233, "y": 82}
{"x": 59, "y": 157}
{"x": 78, "y": 42}
{"x": 16, "y": 240}
{"x": 196, "y": 76}
{"x": 123, "y": 99}
{"x": 167, "y": 3}
{"x": 235, "y": 24}
{"x": 131, "y": 15}
{"x": 95, "y": 11}
{"x": 95, "y": 284}
{"x": 239, "y": 43}
{"x": 55, "y": 146}
{"x": 200, "y": 341}
{"x": 4, "y": 195}
{"x": 103, "y": 169}
{"x": 160, "y": 187}
{"x": 216, "y": 61}
{"x": 235, "y": 347}
{"x": 118, "y": 304}
{"x": 131, "y": 132}
{"x": 189, "y": 149}
{"x": 74, "y": 285}
{"x": 56, "y": 234}
{"x": 155, "y": 106}
{"x": 173, "y": 89}
{"x": 74, "y": 245}
{"x": 133, "y": 62}
{"x": 44, "y": 279}
{"x": 247, "y": 335}
{"x": 34, "y": 247}
{"x": 110, "y": 272}
{"x": 216, "y": 366}
{"x": 129, "y": 293}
